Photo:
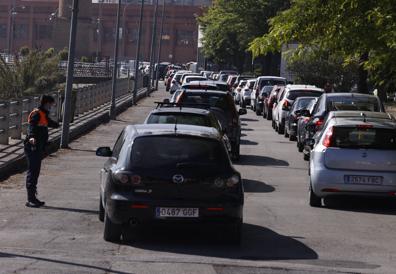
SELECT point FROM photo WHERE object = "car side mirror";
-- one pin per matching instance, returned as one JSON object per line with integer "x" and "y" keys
{"x": 242, "y": 111}
{"x": 166, "y": 101}
{"x": 104, "y": 152}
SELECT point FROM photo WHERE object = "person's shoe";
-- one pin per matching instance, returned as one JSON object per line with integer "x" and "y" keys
{"x": 41, "y": 203}
{"x": 34, "y": 204}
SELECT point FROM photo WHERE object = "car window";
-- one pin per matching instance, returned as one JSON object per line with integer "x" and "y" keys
{"x": 179, "y": 118}
{"x": 319, "y": 107}
{"x": 294, "y": 94}
{"x": 118, "y": 145}
{"x": 250, "y": 84}
{"x": 364, "y": 137}
{"x": 169, "y": 152}
{"x": 353, "y": 103}
{"x": 271, "y": 82}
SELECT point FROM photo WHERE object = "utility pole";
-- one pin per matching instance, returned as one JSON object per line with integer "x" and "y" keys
{"x": 112, "y": 112}
{"x": 160, "y": 44}
{"x": 69, "y": 78}
{"x": 152, "y": 49}
{"x": 138, "y": 53}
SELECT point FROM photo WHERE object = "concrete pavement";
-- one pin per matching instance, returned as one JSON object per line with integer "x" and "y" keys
{"x": 282, "y": 234}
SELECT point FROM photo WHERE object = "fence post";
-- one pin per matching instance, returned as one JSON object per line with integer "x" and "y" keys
{"x": 26, "y": 108}
{"x": 4, "y": 107}
{"x": 15, "y": 121}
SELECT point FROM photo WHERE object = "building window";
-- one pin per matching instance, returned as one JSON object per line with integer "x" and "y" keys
{"x": 43, "y": 32}
{"x": 21, "y": 31}
{"x": 185, "y": 38}
{"x": 3, "y": 31}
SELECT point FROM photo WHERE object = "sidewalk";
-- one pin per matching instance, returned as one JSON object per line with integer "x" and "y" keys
{"x": 68, "y": 226}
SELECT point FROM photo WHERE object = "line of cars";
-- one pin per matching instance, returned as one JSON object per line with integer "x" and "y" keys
{"x": 176, "y": 167}
{"x": 348, "y": 138}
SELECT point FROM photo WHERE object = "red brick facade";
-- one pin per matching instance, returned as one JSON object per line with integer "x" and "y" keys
{"x": 34, "y": 28}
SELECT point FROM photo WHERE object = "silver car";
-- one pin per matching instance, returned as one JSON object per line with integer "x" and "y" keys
{"x": 354, "y": 156}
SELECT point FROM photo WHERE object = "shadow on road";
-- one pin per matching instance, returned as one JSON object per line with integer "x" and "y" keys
{"x": 376, "y": 205}
{"x": 247, "y": 129}
{"x": 254, "y": 186}
{"x": 62, "y": 262}
{"x": 256, "y": 160}
{"x": 258, "y": 243}
{"x": 248, "y": 142}
{"x": 249, "y": 120}
{"x": 76, "y": 210}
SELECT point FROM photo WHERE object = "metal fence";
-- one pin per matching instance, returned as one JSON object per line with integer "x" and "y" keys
{"x": 14, "y": 113}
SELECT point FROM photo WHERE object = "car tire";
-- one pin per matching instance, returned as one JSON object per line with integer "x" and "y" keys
{"x": 258, "y": 112}
{"x": 292, "y": 137}
{"x": 314, "y": 200}
{"x": 101, "y": 210}
{"x": 306, "y": 156}
{"x": 281, "y": 129}
{"x": 269, "y": 115}
{"x": 236, "y": 154}
{"x": 112, "y": 232}
{"x": 264, "y": 113}
{"x": 286, "y": 134}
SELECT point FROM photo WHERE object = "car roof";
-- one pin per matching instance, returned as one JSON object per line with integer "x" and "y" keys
{"x": 213, "y": 92}
{"x": 172, "y": 129}
{"x": 375, "y": 122}
{"x": 306, "y": 98}
{"x": 271, "y": 77}
{"x": 200, "y": 83}
{"x": 177, "y": 109}
{"x": 349, "y": 94}
{"x": 303, "y": 87}
{"x": 361, "y": 114}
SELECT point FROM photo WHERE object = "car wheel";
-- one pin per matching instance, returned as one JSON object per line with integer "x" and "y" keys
{"x": 300, "y": 147}
{"x": 273, "y": 124}
{"x": 314, "y": 200}
{"x": 101, "y": 210}
{"x": 236, "y": 154}
{"x": 286, "y": 133}
{"x": 269, "y": 115}
{"x": 264, "y": 113}
{"x": 306, "y": 156}
{"x": 112, "y": 231}
{"x": 258, "y": 112}
{"x": 292, "y": 137}
{"x": 281, "y": 129}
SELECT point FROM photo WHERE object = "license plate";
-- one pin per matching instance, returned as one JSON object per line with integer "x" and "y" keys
{"x": 176, "y": 212}
{"x": 363, "y": 180}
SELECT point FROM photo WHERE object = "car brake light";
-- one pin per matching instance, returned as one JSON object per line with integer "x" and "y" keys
{"x": 328, "y": 139}
{"x": 139, "y": 206}
{"x": 125, "y": 178}
{"x": 318, "y": 123}
{"x": 215, "y": 209}
{"x": 364, "y": 126}
{"x": 285, "y": 105}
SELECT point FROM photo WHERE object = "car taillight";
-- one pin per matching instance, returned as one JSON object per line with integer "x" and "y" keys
{"x": 364, "y": 126}
{"x": 318, "y": 123}
{"x": 328, "y": 138}
{"x": 127, "y": 178}
{"x": 229, "y": 182}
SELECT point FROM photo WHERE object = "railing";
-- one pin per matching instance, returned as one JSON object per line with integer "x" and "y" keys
{"x": 14, "y": 113}
{"x": 81, "y": 69}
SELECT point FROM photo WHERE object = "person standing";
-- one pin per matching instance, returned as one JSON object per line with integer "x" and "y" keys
{"x": 35, "y": 145}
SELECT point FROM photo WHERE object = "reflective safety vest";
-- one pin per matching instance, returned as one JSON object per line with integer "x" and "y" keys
{"x": 43, "y": 121}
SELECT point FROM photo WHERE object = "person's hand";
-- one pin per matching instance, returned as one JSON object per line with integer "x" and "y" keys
{"x": 32, "y": 141}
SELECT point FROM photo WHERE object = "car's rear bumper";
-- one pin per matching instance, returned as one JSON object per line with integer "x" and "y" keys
{"x": 326, "y": 182}
{"x": 144, "y": 212}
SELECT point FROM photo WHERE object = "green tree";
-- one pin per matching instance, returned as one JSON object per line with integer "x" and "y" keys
{"x": 230, "y": 25}
{"x": 353, "y": 29}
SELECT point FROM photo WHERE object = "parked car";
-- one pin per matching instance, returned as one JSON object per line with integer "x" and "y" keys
{"x": 188, "y": 74}
{"x": 168, "y": 174}
{"x": 238, "y": 91}
{"x": 265, "y": 81}
{"x": 336, "y": 102}
{"x": 285, "y": 100}
{"x": 222, "y": 105}
{"x": 206, "y": 85}
{"x": 176, "y": 81}
{"x": 246, "y": 93}
{"x": 230, "y": 81}
{"x": 294, "y": 115}
{"x": 264, "y": 94}
{"x": 303, "y": 119}
{"x": 178, "y": 114}
{"x": 270, "y": 101}
{"x": 353, "y": 157}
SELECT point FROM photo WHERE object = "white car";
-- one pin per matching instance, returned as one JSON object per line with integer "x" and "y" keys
{"x": 175, "y": 82}
{"x": 353, "y": 156}
{"x": 285, "y": 100}
{"x": 265, "y": 81}
{"x": 192, "y": 78}
{"x": 246, "y": 93}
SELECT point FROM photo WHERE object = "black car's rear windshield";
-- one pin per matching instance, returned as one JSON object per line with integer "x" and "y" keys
{"x": 213, "y": 100}
{"x": 294, "y": 94}
{"x": 353, "y": 103}
{"x": 363, "y": 137}
{"x": 178, "y": 152}
{"x": 179, "y": 118}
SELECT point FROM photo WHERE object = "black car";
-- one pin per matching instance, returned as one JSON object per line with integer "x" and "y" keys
{"x": 222, "y": 105}
{"x": 178, "y": 114}
{"x": 294, "y": 114}
{"x": 264, "y": 94}
{"x": 335, "y": 102}
{"x": 172, "y": 174}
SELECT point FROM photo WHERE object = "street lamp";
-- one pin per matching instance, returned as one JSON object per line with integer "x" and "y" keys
{"x": 12, "y": 12}
{"x": 152, "y": 53}
{"x": 160, "y": 44}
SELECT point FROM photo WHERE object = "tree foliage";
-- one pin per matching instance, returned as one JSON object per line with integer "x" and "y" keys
{"x": 34, "y": 72}
{"x": 230, "y": 25}
{"x": 350, "y": 29}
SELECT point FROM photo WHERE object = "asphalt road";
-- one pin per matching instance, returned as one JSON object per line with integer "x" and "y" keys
{"x": 282, "y": 234}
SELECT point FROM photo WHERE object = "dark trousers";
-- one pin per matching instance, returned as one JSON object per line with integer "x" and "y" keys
{"x": 34, "y": 158}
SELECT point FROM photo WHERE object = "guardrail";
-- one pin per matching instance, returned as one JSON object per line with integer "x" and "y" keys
{"x": 14, "y": 113}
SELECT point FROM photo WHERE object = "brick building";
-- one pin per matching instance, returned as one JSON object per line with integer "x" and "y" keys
{"x": 45, "y": 23}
